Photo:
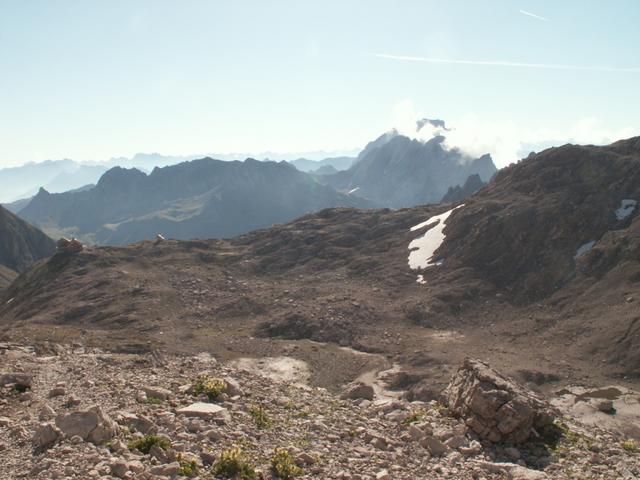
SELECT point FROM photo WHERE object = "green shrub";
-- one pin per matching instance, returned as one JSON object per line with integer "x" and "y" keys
{"x": 211, "y": 387}
{"x": 414, "y": 416}
{"x": 233, "y": 463}
{"x": 188, "y": 467}
{"x": 283, "y": 465}
{"x": 146, "y": 443}
{"x": 630, "y": 446}
{"x": 260, "y": 416}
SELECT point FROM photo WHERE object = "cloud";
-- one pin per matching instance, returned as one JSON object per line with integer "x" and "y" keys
{"x": 506, "y": 141}
{"x": 533, "y": 15}
{"x": 499, "y": 63}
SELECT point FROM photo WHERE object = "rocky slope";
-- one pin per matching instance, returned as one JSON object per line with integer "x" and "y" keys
{"x": 74, "y": 412}
{"x": 20, "y": 243}
{"x": 6, "y": 276}
{"x": 397, "y": 171}
{"x": 508, "y": 270}
{"x": 530, "y": 230}
{"x": 198, "y": 199}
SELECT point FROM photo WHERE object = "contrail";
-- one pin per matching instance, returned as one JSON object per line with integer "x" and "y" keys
{"x": 498, "y": 63}
{"x": 533, "y": 15}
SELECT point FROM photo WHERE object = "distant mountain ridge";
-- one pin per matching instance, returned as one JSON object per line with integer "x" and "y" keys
{"x": 200, "y": 198}
{"x": 339, "y": 163}
{"x": 56, "y": 176}
{"x": 397, "y": 171}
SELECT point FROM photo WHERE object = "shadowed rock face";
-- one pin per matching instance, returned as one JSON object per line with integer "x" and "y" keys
{"x": 20, "y": 244}
{"x": 459, "y": 193}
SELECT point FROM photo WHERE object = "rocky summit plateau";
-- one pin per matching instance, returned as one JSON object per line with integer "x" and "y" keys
{"x": 493, "y": 336}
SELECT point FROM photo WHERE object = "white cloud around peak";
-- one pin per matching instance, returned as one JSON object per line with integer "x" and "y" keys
{"x": 506, "y": 141}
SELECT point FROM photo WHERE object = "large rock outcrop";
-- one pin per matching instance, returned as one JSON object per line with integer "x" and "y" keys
{"x": 494, "y": 406}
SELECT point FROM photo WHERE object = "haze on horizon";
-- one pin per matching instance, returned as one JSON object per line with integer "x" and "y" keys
{"x": 95, "y": 80}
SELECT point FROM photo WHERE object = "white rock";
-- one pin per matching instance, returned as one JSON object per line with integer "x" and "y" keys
{"x": 203, "y": 410}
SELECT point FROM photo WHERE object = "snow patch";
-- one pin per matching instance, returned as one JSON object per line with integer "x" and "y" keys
{"x": 627, "y": 206}
{"x": 582, "y": 249}
{"x": 421, "y": 280}
{"x": 424, "y": 247}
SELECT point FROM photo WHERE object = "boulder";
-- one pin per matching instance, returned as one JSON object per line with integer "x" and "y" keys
{"x": 46, "y": 435}
{"x": 92, "y": 425}
{"x": 357, "y": 391}
{"x": 495, "y": 407}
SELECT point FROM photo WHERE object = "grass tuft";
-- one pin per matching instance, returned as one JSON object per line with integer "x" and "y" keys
{"x": 233, "y": 463}
{"x": 211, "y": 387}
{"x": 146, "y": 443}
{"x": 260, "y": 416}
{"x": 283, "y": 465}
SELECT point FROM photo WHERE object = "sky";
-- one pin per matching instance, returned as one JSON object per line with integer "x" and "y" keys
{"x": 90, "y": 80}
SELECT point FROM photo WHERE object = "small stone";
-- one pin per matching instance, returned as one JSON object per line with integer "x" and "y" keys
{"x": 57, "y": 392}
{"x": 233, "y": 388}
{"x": 167, "y": 470}
{"x": 157, "y": 392}
{"x": 73, "y": 401}
{"x": 208, "y": 458}
{"x": 47, "y": 413}
{"x": 436, "y": 447}
{"x": 119, "y": 468}
{"x": 606, "y": 406}
{"x": 358, "y": 390}
{"x": 304, "y": 459}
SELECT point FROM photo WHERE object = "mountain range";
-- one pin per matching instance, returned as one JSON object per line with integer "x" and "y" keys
{"x": 548, "y": 253}
{"x": 213, "y": 198}
{"x": 198, "y": 199}
{"x": 57, "y": 176}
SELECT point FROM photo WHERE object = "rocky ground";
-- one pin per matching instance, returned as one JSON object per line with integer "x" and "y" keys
{"x": 76, "y": 412}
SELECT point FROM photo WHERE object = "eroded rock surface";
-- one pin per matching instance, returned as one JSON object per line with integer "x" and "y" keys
{"x": 495, "y": 407}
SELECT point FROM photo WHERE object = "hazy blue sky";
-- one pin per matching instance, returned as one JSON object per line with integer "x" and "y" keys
{"x": 94, "y": 79}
